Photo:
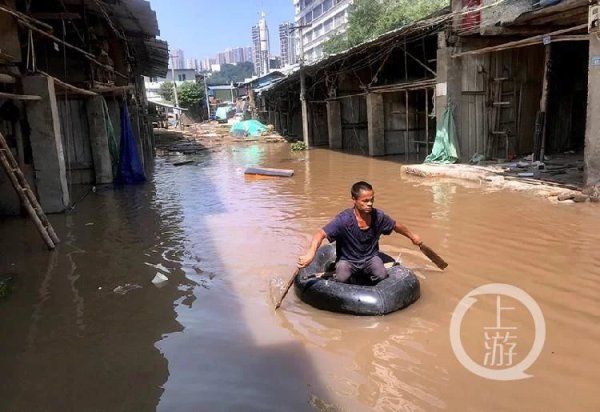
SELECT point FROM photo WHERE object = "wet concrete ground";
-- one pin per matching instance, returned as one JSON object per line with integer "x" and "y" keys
{"x": 209, "y": 339}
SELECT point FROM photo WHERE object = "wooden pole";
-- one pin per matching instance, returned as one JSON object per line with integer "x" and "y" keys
{"x": 426, "y": 122}
{"x": 544, "y": 99}
{"x": 288, "y": 285}
{"x": 20, "y": 145}
{"x": 406, "y": 145}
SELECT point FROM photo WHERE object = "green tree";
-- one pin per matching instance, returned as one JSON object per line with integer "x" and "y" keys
{"x": 191, "y": 96}
{"x": 369, "y": 19}
{"x": 231, "y": 73}
{"x": 166, "y": 91}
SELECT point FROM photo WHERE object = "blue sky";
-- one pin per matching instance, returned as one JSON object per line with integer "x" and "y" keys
{"x": 203, "y": 28}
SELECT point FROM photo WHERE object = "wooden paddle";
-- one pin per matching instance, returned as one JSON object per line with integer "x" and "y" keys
{"x": 434, "y": 257}
{"x": 286, "y": 290}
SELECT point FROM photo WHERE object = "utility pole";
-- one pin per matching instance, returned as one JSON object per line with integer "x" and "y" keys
{"x": 176, "y": 109}
{"x": 303, "y": 104}
{"x": 206, "y": 95}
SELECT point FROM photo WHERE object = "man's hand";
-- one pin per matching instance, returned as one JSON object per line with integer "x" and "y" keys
{"x": 304, "y": 261}
{"x": 416, "y": 240}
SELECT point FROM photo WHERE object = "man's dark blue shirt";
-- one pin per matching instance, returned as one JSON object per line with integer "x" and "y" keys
{"x": 352, "y": 243}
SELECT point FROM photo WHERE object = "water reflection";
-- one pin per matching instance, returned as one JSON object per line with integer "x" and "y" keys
{"x": 209, "y": 339}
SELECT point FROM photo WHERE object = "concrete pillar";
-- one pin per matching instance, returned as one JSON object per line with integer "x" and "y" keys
{"x": 46, "y": 144}
{"x": 376, "y": 124}
{"x": 334, "y": 124}
{"x": 592, "y": 128}
{"x": 99, "y": 140}
{"x": 449, "y": 80}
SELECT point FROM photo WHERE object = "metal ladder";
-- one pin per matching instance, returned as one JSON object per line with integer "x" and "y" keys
{"x": 28, "y": 200}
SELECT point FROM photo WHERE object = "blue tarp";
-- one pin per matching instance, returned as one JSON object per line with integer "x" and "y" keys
{"x": 131, "y": 170}
{"x": 246, "y": 128}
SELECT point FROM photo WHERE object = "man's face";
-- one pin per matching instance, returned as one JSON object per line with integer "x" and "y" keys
{"x": 364, "y": 201}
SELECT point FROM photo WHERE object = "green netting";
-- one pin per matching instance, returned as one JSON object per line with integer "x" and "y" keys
{"x": 113, "y": 148}
{"x": 246, "y": 128}
{"x": 445, "y": 147}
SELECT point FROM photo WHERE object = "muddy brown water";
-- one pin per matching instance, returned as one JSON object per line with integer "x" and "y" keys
{"x": 209, "y": 339}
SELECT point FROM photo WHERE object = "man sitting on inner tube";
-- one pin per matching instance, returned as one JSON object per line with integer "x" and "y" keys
{"x": 356, "y": 232}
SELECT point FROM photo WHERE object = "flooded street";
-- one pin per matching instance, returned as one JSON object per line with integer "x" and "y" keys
{"x": 209, "y": 339}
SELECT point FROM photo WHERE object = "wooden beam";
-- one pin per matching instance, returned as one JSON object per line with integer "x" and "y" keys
{"x": 25, "y": 17}
{"x": 112, "y": 89}
{"x": 26, "y": 97}
{"x": 5, "y": 56}
{"x": 68, "y": 86}
{"x": 530, "y": 41}
{"x": 7, "y": 78}
{"x": 57, "y": 16}
{"x": 30, "y": 22}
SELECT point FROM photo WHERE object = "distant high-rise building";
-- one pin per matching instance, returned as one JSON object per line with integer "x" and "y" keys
{"x": 287, "y": 43}
{"x": 235, "y": 55}
{"x": 248, "y": 54}
{"x": 275, "y": 62}
{"x": 191, "y": 64}
{"x": 262, "y": 49}
{"x": 178, "y": 59}
{"x": 325, "y": 17}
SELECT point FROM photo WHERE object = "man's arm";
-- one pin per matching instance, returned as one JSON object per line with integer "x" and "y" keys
{"x": 317, "y": 239}
{"x": 403, "y": 230}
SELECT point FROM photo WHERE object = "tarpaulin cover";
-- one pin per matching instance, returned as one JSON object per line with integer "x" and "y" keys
{"x": 131, "y": 170}
{"x": 112, "y": 139}
{"x": 246, "y": 128}
{"x": 221, "y": 112}
{"x": 445, "y": 147}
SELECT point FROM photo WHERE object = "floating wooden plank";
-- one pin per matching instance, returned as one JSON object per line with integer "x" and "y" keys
{"x": 12, "y": 96}
{"x": 185, "y": 162}
{"x": 264, "y": 171}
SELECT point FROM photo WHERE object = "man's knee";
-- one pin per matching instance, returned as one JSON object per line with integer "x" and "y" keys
{"x": 377, "y": 269}
{"x": 343, "y": 271}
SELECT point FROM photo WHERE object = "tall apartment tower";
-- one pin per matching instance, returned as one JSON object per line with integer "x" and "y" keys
{"x": 325, "y": 18}
{"x": 287, "y": 43}
{"x": 178, "y": 59}
{"x": 262, "y": 50}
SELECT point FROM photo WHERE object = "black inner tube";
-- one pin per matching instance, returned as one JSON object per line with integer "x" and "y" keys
{"x": 361, "y": 296}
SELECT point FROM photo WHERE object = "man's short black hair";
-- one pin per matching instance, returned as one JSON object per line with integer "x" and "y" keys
{"x": 357, "y": 187}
